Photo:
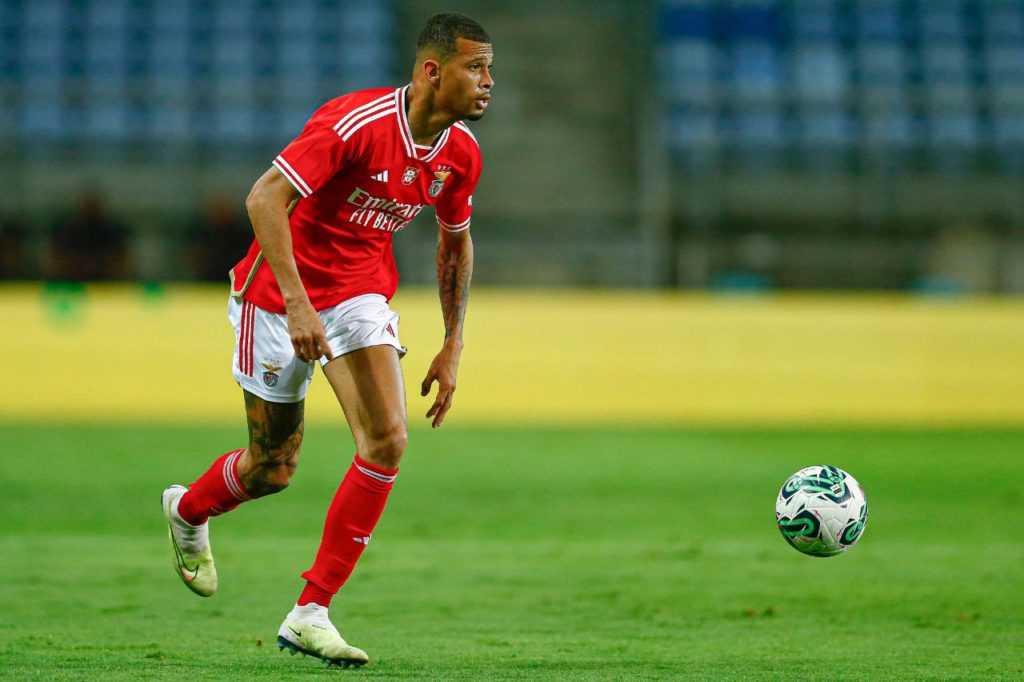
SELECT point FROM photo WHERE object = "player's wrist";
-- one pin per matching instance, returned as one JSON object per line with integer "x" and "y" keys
{"x": 454, "y": 343}
{"x": 293, "y": 300}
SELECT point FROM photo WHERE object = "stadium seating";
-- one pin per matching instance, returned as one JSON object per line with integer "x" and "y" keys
{"x": 111, "y": 75}
{"x": 812, "y": 86}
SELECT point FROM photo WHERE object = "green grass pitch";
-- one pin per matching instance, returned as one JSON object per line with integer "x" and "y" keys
{"x": 525, "y": 554}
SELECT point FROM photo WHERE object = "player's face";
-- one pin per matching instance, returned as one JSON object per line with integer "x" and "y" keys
{"x": 466, "y": 80}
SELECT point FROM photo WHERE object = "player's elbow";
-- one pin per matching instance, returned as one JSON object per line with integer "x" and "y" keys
{"x": 257, "y": 198}
{"x": 271, "y": 192}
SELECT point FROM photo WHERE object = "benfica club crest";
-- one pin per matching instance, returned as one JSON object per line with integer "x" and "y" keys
{"x": 437, "y": 185}
{"x": 410, "y": 175}
{"x": 270, "y": 377}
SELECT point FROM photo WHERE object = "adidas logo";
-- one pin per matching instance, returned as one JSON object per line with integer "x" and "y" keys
{"x": 363, "y": 540}
{"x": 380, "y": 177}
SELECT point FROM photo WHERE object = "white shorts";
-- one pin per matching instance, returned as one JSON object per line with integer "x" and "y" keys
{"x": 264, "y": 362}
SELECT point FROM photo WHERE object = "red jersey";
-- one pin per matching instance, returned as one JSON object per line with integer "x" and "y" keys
{"x": 361, "y": 178}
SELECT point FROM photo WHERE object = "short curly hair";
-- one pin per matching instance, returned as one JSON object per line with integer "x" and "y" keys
{"x": 442, "y": 30}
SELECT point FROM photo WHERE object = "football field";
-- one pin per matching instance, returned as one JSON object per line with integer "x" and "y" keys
{"x": 598, "y": 506}
{"x": 525, "y": 554}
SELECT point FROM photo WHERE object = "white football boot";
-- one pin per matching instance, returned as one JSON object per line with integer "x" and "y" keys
{"x": 307, "y": 630}
{"x": 193, "y": 561}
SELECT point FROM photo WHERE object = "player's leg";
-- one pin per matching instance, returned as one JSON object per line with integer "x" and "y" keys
{"x": 367, "y": 378}
{"x": 263, "y": 468}
{"x": 369, "y": 386}
{"x": 275, "y": 438}
{"x": 274, "y": 400}
{"x": 371, "y": 391}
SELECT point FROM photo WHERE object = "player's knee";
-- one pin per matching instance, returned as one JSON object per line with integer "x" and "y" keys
{"x": 271, "y": 470}
{"x": 277, "y": 478}
{"x": 385, "y": 449}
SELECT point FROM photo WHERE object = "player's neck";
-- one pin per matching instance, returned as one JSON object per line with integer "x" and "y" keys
{"x": 425, "y": 123}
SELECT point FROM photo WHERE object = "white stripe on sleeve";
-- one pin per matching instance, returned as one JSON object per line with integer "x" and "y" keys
{"x": 292, "y": 176}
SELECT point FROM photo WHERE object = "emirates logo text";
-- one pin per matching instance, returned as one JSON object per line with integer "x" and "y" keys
{"x": 381, "y": 214}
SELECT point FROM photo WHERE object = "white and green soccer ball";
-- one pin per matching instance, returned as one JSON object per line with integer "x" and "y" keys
{"x": 821, "y": 511}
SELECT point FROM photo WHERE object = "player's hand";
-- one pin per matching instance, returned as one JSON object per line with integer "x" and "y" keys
{"x": 444, "y": 369}
{"x": 307, "y": 333}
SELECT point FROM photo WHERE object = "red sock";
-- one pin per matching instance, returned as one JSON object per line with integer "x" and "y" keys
{"x": 351, "y": 518}
{"x": 217, "y": 491}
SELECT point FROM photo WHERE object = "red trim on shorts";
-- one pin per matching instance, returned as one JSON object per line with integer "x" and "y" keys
{"x": 246, "y": 344}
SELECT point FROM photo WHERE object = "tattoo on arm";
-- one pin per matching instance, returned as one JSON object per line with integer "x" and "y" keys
{"x": 454, "y": 272}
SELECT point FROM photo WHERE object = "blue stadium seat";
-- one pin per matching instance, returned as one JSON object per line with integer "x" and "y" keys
{"x": 106, "y": 122}
{"x": 296, "y": 18}
{"x": 687, "y": 19}
{"x": 820, "y": 74}
{"x": 691, "y": 129}
{"x": 46, "y": 121}
{"x": 941, "y": 19}
{"x": 169, "y": 16}
{"x": 814, "y": 21}
{"x": 945, "y": 63}
{"x": 170, "y": 56}
{"x": 233, "y": 56}
{"x": 693, "y": 139}
{"x": 879, "y": 21}
{"x": 169, "y": 125}
{"x": 1008, "y": 136}
{"x": 291, "y": 119}
{"x": 107, "y": 16}
{"x": 1009, "y": 130}
{"x": 827, "y": 127}
{"x": 43, "y": 16}
{"x": 892, "y": 128}
{"x": 232, "y": 125}
{"x": 690, "y": 71}
{"x": 755, "y": 73}
{"x": 43, "y": 48}
{"x": 364, "y": 19}
{"x": 297, "y": 59}
{"x": 881, "y": 66}
{"x": 953, "y": 129}
{"x": 297, "y": 88}
{"x": 1001, "y": 22}
{"x": 825, "y": 138}
{"x": 1005, "y": 65}
{"x": 750, "y": 20}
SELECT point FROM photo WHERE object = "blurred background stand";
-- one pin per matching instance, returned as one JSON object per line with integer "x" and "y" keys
{"x": 645, "y": 143}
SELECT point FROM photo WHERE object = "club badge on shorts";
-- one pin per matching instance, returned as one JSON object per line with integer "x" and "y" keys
{"x": 270, "y": 377}
{"x": 437, "y": 185}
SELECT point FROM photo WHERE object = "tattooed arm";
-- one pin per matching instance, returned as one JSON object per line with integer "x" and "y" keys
{"x": 454, "y": 271}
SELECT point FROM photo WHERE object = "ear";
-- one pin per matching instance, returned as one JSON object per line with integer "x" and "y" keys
{"x": 432, "y": 70}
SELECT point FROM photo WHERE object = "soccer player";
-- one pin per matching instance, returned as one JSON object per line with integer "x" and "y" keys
{"x": 315, "y": 286}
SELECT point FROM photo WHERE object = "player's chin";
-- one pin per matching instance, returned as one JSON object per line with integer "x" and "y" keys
{"x": 477, "y": 109}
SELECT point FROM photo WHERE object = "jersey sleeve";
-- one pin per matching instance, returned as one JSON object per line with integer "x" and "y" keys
{"x": 455, "y": 205}
{"x": 316, "y": 155}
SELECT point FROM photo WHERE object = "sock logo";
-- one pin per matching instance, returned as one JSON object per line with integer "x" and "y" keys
{"x": 365, "y": 540}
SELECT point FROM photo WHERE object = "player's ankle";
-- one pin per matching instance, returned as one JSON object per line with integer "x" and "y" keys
{"x": 313, "y": 594}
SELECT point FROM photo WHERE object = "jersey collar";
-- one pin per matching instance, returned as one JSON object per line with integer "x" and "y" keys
{"x": 411, "y": 149}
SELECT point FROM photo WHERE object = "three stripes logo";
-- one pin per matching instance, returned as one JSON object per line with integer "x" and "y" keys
{"x": 380, "y": 177}
{"x": 365, "y": 540}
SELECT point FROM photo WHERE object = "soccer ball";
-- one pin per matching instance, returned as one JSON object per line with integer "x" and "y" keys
{"x": 821, "y": 511}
